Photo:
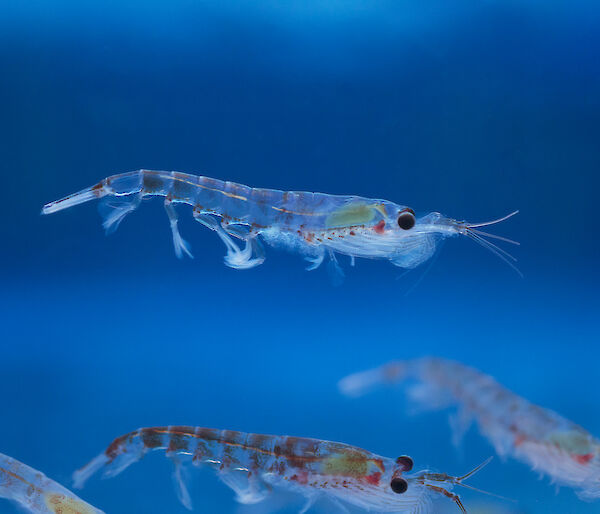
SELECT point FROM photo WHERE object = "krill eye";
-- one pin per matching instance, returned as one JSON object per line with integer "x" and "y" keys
{"x": 406, "y": 462}
{"x": 406, "y": 220}
{"x": 399, "y": 485}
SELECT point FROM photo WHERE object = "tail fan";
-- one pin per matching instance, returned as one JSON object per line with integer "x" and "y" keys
{"x": 110, "y": 467}
{"x": 359, "y": 384}
{"x": 86, "y": 195}
{"x": 81, "y": 476}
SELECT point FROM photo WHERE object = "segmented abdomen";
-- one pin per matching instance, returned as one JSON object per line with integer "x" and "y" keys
{"x": 282, "y": 455}
{"x": 487, "y": 399}
{"x": 36, "y": 492}
{"x": 257, "y": 207}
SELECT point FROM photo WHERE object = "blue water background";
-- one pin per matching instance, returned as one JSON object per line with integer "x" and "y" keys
{"x": 473, "y": 109}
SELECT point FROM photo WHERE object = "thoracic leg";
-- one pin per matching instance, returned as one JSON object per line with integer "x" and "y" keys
{"x": 310, "y": 501}
{"x": 336, "y": 273}
{"x": 315, "y": 260}
{"x": 242, "y": 259}
{"x": 114, "y": 209}
{"x": 235, "y": 258}
{"x": 180, "y": 483}
{"x": 248, "y": 487}
{"x": 180, "y": 244}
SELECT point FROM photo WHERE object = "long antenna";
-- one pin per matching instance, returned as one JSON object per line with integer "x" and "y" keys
{"x": 459, "y": 481}
{"x": 493, "y": 222}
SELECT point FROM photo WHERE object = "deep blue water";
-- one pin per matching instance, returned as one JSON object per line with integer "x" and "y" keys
{"x": 473, "y": 109}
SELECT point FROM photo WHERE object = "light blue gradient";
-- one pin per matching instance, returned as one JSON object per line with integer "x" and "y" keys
{"x": 473, "y": 111}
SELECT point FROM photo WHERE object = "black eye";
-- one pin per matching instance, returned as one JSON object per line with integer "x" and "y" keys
{"x": 399, "y": 485}
{"x": 406, "y": 462}
{"x": 406, "y": 220}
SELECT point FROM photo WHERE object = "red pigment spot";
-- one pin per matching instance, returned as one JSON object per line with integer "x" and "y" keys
{"x": 301, "y": 479}
{"x": 373, "y": 478}
{"x": 98, "y": 189}
{"x": 380, "y": 227}
{"x": 115, "y": 447}
{"x": 584, "y": 459}
{"x": 352, "y": 233}
{"x": 150, "y": 438}
{"x": 519, "y": 439}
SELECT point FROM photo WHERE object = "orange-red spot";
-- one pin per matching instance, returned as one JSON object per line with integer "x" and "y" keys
{"x": 97, "y": 189}
{"x": 380, "y": 227}
{"x": 302, "y": 478}
{"x": 584, "y": 459}
{"x": 519, "y": 439}
{"x": 379, "y": 464}
{"x": 373, "y": 478}
{"x": 116, "y": 446}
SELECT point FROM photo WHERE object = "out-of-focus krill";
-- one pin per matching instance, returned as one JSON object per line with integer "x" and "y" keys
{"x": 546, "y": 441}
{"x": 35, "y": 492}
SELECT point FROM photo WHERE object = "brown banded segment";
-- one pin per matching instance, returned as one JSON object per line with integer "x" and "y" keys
{"x": 290, "y": 453}
{"x": 202, "y": 448}
{"x": 182, "y": 429}
{"x": 300, "y": 451}
{"x": 232, "y": 437}
{"x": 259, "y": 441}
{"x": 152, "y": 181}
{"x": 114, "y": 448}
{"x": 210, "y": 434}
{"x": 151, "y": 439}
{"x": 232, "y": 441}
{"x": 179, "y": 439}
{"x": 182, "y": 186}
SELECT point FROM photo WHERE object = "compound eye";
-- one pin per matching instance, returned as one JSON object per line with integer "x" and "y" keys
{"x": 399, "y": 485}
{"x": 406, "y": 219}
{"x": 406, "y": 462}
